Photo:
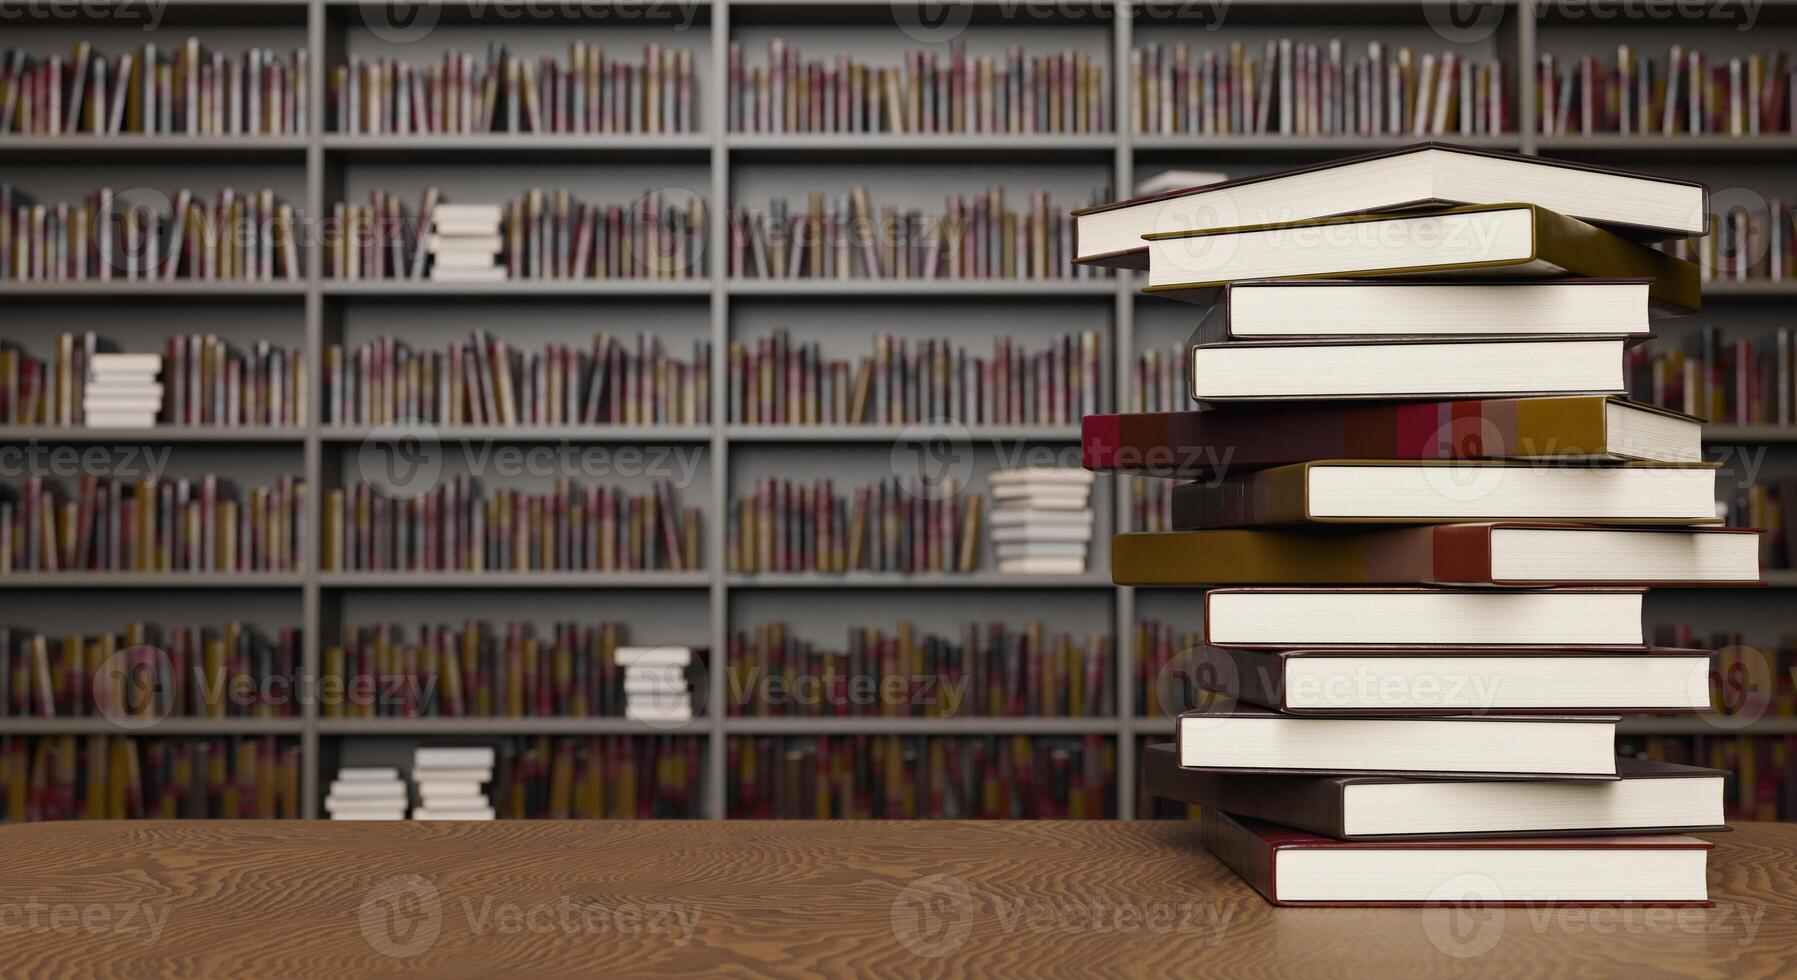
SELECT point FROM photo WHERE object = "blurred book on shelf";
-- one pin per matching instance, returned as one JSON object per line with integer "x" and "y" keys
{"x": 934, "y": 92}
{"x": 510, "y": 93}
{"x": 780, "y": 381}
{"x": 1767, "y": 504}
{"x": 1300, "y": 89}
{"x": 204, "y": 524}
{"x": 185, "y": 90}
{"x": 609, "y": 777}
{"x": 1727, "y": 379}
{"x": 891, "y": 525}
{"x": 908, "y": 777}
{"x": 991, "y": 670}
{"x": 1684, "y": 92}
{"x": 543, "y": 235}
{"x": 843, "y": 236}
{"x": 490, "y": 382}
{"x": 453, "y": 527}
{"x": 148, "y": 673}
{"x": 143, "y": 236}
{"x": 116, "y": 777}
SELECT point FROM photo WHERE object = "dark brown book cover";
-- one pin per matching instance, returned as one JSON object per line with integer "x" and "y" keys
{"x": 1198, "y": 444}
{"x": 1258, "y": 676}
{"x": 1444, "y": 554}
{"x": 1136, "y": 258}
{"x": 1223, "y": 709}
{"x": 1317, "y": 804}
{"x": 1251, "y": 849}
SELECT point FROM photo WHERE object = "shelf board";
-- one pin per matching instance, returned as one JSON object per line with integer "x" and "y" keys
{"x": 151, "y": 580}
{"x": 405, "y": 727}
{"x": 924, "y": 289}
{"x": 1692, "y": 725}
{"x": 1749, "y": 288}
{"x": 888, "y": 433}
{"x": 931, "y": 147}
{"x": 1151, "y": 726}
{"x": 154, "y": 148}
{"x": 514, "y": 289}
{"x": 1713, "y": 147}
{"x": 160, "y": 433}
{"x": 1780, "y": 578}
{"x": 1194, "y": 147}
{"x": 515, "y": 580}
{"x": 922, "y": 580}
{"x": 95, "y": 725}
{"x": 1749, "y": 433}
{"x": 533, "y": 433}
{"x": 877, "y": 725}
{"x": 516, "y": 147}
{"x": 171, "y": 289}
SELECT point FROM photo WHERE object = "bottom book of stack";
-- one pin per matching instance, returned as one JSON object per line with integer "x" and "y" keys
{"x": 451, "y": 783}
{"x": 367, "y": 793}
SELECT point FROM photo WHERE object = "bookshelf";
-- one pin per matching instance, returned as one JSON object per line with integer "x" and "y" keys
{"x": 325, "y": 167}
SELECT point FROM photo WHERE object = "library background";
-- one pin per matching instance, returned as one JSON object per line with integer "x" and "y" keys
{"x": 649, "y": 384}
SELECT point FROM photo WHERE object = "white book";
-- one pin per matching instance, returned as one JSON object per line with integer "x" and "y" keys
{"x": 1292, "y": 618}
{"x": 433, "y": 788}
{"x": 1488, "y": 367}
{"x": 473, "y": 757}
{"x": 672, "y": 673}
{"x": 106, "y": 364}
{"x": 1040, "y": 549}
{"x": 460, "y": 213}
{"x": 657, "y": 713}
{"x": 496, "y": 274}
{"x": 367, "y": 789}
{"x": 1060, "y": 502}
{"x": 427, "y": 774}
{"x": 334, "y": 805}
{"x": 420, "y": 813}
{"x": 1409, "y": 307}
{"x": 120, "y": 420}
{"x": 359, "y": 773}
{"x": 1041, "y": 566}
{"x": 1041, "y": 475}
{"x": 440, "y": 243}
{"x": 664, "y": 656}
{"x": 371, "y": 815}
{"x": 1006, "y": 516}
{"x": 1510, "y": 745}
{"x": 1041, "y": 532}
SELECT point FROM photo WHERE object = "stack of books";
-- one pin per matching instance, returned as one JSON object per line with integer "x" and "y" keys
{"x": 655, "y": 684}
{"x": 1433, "y": 526}
{"x": 1041, "y": 520}
{"x": 465, "y": 243}
{"x": 122, "y": 391}
{"x": 367, "y": 793}
{"x": 450, "y": 782}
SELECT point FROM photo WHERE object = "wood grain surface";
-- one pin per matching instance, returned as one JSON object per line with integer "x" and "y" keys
{"x": 744, "y": 899}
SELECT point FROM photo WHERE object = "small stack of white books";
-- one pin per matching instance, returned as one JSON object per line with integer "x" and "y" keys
{"x": 122, "y": 391}
{"x": 1041, "y": 520}
{"x": 367, "y": 793}
{"x": 465, "y": 242}
{"x": 655, "y": 686}
{"x": 450, "y": 783}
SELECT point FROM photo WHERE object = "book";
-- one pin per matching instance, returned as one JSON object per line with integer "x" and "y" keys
{"x": 1288, "y": 618}
{"x": 1516, "y": 554}
{"x": 1345, "y": 682}
{"x": 1536, "y": 746}
{"x": 1274, "y": 308}
{"x": 1493, "y": 241}
{"x": 663, "y": 656}
{"x": 1417, "y": 491}
{"x": 1409, "y": 367}
{"x": 1647, "y": 797}
{"x": 1406, "y": 178}
{"x": 1291, "y": 867}
{"x": 1197, "y": 444}
{"x": 452, "y": 758}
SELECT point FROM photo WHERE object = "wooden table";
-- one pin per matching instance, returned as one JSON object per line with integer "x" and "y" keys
{"x": 243, "y": 898}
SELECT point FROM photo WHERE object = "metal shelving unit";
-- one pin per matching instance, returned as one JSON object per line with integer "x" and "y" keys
{"x": 326, "y": 156}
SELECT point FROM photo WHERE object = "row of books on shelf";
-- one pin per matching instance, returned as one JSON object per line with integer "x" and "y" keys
{"x": 1744, "y": 244}
{"x": 186, "y": 90}
{"x": 1686, "y": 92}
{"x": 844, "y": 236}
{"x": 890, "y": 525}
{"x": 116, "y": 777}
{"x": 204, "y": 382}
{"x": 540, "y": 235}
{"x": 1317, "y": 89}
{"x": 1727, "y": 379}
{"x": 896, "y": 777}
{"x": 142, "y": 672}
{"x": 509, "y": 93}
{"x": 201, "y": 524}
{"x": 489, "y": 382}
{"x": 934, "y": 92}
{"x": 610, "y": 777}
{"x": 778, "y": 381}
{"x": 480, "y": 670}
{"x": 454, "y": 526}
{"x": 992, "y": 669}
{"x": 239, "y": 236}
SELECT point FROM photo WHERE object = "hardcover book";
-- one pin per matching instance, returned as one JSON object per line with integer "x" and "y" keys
{"x": 1290, "y": 618}
{"x": 1275, "y": 308}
